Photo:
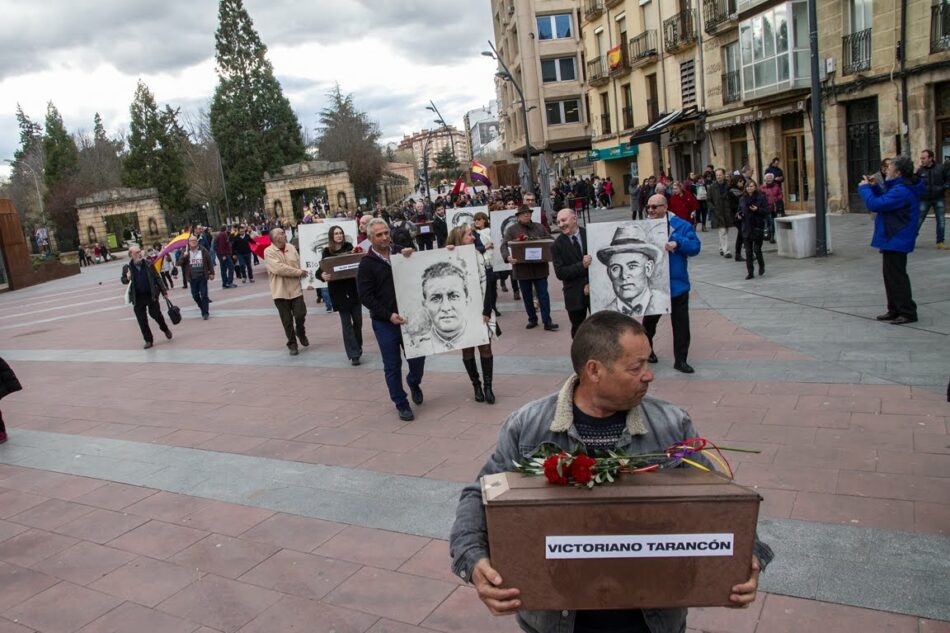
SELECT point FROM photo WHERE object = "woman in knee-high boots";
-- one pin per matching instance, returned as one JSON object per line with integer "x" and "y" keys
{"x": 461, "y": 236}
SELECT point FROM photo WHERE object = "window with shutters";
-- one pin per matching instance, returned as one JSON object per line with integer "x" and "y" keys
{"x": 688, "y": 83}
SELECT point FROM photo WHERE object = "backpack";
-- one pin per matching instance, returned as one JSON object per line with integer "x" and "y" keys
{"x": 401, "y": 236}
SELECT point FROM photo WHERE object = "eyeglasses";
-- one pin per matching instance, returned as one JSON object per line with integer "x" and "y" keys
{"x": 656, "y": 206}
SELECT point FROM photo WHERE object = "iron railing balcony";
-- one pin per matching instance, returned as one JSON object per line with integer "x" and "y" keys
{"x": 717, "y": 14}
{"x": 627, "y": 114}
{"x": 605, "y": 124}
{"x": 624, "y": 67}
{"x": 731, "y": 88}
{"x": 612, "y": 3}
{"x": 597, "y": 74}
{"x": 679, "y": 31}
{"x": 653, "y": 110}
{"x": 856, "y": 52}
{"x": 593, "y": 9}
{"x": 940, "y": 26}
{"x": 643, "y": 48}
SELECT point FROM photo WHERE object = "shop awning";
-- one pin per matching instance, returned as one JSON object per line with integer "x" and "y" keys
{"x": 651, "y": 133}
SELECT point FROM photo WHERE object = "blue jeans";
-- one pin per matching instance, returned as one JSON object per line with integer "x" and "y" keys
{"x": 199, "y": 292}
{"x": 389, "y": 340}
{"x": 544, "y": 300}
{"x": 227, "y": 270}
{"x": 245, "y": 261}
{"x": 940, "y": 213}
{"x": 325, "y": 293}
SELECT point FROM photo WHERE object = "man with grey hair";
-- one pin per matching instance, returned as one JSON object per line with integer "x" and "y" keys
{"x": 283, "y": 268}
{"x": 146, "y": 286}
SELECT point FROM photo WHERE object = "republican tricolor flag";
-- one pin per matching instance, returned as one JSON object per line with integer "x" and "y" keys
{"x": 480, "y": 173}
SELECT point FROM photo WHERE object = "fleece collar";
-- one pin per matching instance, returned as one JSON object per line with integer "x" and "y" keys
{"x": 564, "y": 411}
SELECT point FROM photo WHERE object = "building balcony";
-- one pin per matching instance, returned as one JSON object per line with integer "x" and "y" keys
{"x": 940, "y": 26}
{"x": 627, "y": 118}
{"x": 643, "y": 49}
{"x": 593, "y": 9}
{"x": 653, "y": 110}
{"x": 597, "y": 73}
{"x": 623, "y": 67}
{"x": 731, "y": 87}
{"x": 720, "y": 15}
{"x": 679, "y": 31}
{"x": 856, "y": 53}
{"x": 612, "y": 3}
{"x": 605, "y": 124}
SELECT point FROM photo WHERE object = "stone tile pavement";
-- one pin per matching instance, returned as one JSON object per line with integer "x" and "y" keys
{"x": 119, "y": 508}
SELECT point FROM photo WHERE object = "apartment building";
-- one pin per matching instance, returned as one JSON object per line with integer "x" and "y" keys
{"x": 429, "y": 143}
{"x": 643, "y": 66}
{"x": 539, "y": 41}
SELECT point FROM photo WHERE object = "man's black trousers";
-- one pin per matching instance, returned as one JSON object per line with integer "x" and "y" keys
{"x": 900, "y": 299}
{"x": 679, "y": 317}
{"x": 143, "y": 304}
{"x": 292, "y": 312}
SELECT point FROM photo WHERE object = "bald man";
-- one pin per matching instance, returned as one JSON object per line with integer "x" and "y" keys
{"x": 682, "y": 243}
{"x": 571, "y": 264}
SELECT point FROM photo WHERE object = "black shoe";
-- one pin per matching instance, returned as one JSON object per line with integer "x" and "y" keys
{"x": 294, "y": 351}
{"x": 471, "y": 368}
{"x": 531, "y": 325}
{"x": 405, "y": 413}
{"x": 148, "y": 345}
{"x": 771, "y": 241}
{"x": 497, "y": 313}
{"x": 740, "y": 258}
{"x": 416, "y": 392}
{"x": 750, "y": 276}
{"x": 901, "y": 320}
{"x": 489, "y": 394}
{"x": 551, "y": 327}
{"x": 887, "y": 316}
{"x": 304, "y": 340}
{"x": 168, "y": 333}
{"x": 721, "y": 254}
{"x": 517, "y": 297}
{"x": 728, "y": 255}
{"x": 761, "y": 270}
{"x": 653, "y": 358}
{"x": 354, "y": 361}
{"x": 684, "y": 367}
{"x": 204, "y": 316}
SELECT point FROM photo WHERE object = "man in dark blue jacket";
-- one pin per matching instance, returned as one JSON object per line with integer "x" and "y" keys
{"x": 374, "y": 282}
{"x": 896, "y": 204}
{"x": 935, "y": 178}
{"x": 683, "y": 243}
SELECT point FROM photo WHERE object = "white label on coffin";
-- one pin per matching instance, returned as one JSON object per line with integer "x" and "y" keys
{"x": 425, "y": 228}
{"x": 343, "y": 267}
{"x": 639, "y": 546}
{"x": 532, "y": 254}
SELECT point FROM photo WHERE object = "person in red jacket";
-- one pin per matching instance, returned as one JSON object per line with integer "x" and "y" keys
{"x": 683, "y": 204}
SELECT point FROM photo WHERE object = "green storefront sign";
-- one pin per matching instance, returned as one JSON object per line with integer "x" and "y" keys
{"x": 624, "y": 150}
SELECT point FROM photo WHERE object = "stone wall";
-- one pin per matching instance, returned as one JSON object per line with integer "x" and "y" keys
{"x": 334, "y": 177}
{"x": 93, "y": 211}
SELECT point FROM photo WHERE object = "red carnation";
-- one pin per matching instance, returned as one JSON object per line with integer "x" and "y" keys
{"x": 551, "y": 467}
{"x": 522, "y": 238}
{"x": 582, "y": 469}
{"x": 358, "y": 249}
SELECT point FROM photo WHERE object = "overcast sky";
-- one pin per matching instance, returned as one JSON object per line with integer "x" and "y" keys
{"x": 393, "y": 55}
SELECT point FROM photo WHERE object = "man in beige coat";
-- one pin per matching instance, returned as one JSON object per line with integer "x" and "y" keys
{"x": 283, "y": 268}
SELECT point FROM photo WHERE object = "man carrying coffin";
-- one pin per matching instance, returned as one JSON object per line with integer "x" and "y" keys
{"x": 603, "y": 406}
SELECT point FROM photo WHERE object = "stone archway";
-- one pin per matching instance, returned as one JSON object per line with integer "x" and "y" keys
{"x": 143, "y": 204}
{"x": 319, "y": 174}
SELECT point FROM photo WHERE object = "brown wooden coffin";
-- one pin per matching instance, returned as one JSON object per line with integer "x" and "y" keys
{"x": 673, "y": 538}
{"x": 341, "y": 266}
{"x": 531, "y": 251}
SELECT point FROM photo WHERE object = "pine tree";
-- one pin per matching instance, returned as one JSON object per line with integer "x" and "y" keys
{"x": 142, "y": 159}
{"x": 62, "y": 162}
{"x": 348, "y": 135}
{"x": 28, "y": 165}
{"x": 252, "y": 122}
{"x": 31, "y": 134}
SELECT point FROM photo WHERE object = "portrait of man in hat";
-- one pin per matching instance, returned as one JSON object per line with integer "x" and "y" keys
{"x": 635, "y": 284}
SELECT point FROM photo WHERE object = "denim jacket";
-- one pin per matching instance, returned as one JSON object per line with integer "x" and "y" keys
{"x": 652, "y": 426}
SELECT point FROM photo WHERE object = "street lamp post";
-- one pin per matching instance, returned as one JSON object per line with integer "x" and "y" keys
{"x": 431, "y": 107}
{"x": 506, "y": 75}
{"x": 39, "y": 196}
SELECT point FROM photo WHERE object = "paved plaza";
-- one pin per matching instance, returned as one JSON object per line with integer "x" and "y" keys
{"x": 215, "y": 483}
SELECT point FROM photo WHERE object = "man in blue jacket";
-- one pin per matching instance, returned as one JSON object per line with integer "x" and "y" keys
{"x": 683, "y": 243}
{"x": 896, "y": 204}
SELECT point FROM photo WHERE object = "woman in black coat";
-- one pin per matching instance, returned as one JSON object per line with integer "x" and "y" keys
{"x": 753, "y": 207}
{"x": 736, "y": 191}
{"x": 344, "y": 297}
{"x": 8, "y": 384}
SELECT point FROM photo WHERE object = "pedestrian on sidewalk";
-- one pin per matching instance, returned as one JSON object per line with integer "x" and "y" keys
{"x": 283, "y": 268}
{"x": 896, "y": 205}
{"x": 530, "y": 277}
{"x": 773, "y": 196}
{"x": 374, "y": 282}
{"x": 571, "y": 264}
{"x": 241, "y": 246}
{"x": 344, "y": 297}
{"x": 197, "y": 267}
{"x": 753, "y": 212}
{"x": 935, "y": 178}
{"x": 8, "y": 384}
{"x": 603, "y": 407}
{"x": 683, "y": 243}
{"x": 222, "y": 247}
{"x": 146, "y": 287}
{"x": 463, "y": 235}
{"x": 736, "y": 191}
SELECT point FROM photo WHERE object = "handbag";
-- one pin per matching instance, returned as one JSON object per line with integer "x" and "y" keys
{"x": 175, "y": 271}
{"x": 174, "y": 312}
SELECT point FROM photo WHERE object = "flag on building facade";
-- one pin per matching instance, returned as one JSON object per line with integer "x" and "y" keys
{"x": 615, "y": 57}
{"x": 480, "y": 173}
